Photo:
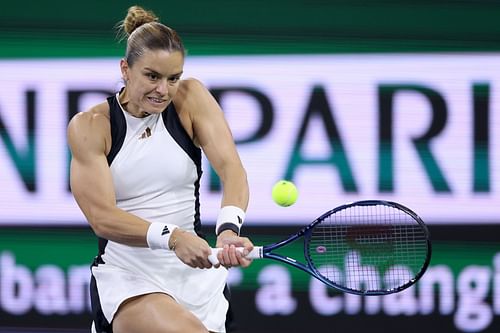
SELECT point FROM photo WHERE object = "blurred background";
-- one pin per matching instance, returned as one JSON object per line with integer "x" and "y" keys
{"x": 350, "y": 99}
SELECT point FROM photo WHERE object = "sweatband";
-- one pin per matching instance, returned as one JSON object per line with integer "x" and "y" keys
{"x": 159, "y": 234}
{"x": 230, "y": 218}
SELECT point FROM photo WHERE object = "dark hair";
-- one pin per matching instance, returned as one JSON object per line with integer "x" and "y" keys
{"x": 145, "y": 32}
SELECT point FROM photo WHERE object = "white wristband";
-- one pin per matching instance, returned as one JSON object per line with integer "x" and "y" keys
{"x": 159, "y": 234}
{"x": 230, "y": 218}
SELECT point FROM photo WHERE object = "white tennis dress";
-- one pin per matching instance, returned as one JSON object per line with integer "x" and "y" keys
{"x": 156, "y": 171}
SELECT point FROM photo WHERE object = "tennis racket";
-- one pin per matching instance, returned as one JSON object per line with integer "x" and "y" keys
{"x": 367, "y": 247}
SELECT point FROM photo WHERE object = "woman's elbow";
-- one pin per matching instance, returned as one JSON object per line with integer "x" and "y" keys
{"x": 100, "y": 224}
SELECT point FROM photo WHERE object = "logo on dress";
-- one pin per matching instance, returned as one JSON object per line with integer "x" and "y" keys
{"x": 146, "y": 133}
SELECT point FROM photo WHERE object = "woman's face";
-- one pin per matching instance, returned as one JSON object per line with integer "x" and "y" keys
{"x": 152, "y": 81}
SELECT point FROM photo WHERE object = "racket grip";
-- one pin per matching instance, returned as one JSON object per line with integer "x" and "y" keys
{"x": 256, "y": 253}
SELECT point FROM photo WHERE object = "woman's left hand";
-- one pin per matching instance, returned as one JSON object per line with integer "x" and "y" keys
{"x": 229, "y": 256}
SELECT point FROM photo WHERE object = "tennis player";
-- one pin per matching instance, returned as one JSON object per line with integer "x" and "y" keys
{"x": 135, "y": 174}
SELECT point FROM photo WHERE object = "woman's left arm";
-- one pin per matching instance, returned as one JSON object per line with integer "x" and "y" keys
{"x": 211, "y": 132}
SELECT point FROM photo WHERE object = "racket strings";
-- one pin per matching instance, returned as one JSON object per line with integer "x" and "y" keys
{"x": 368, "y": 248}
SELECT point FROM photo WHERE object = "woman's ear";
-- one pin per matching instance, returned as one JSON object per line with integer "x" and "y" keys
{"x": 124, "y": 69}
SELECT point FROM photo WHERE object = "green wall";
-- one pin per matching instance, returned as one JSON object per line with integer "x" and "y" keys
{"x": 85, "y": 28}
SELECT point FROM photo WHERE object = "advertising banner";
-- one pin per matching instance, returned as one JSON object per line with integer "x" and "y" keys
{"x": 419, "y": 129}
{"x": 47, "y": 286}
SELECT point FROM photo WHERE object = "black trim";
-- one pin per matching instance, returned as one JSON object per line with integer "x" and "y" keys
{"x": 118, "y": 126}
{"x": 178, "y": 132}
{"x": 228, "y": 226}
{"x": 101, "y": 323}
{"x": 230, "y": 323}
{"x": 102, "y": 242}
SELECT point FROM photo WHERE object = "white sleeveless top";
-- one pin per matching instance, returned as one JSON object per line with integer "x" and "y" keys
{"x": 156, "y": 171}
{"x": 153, "y": 176}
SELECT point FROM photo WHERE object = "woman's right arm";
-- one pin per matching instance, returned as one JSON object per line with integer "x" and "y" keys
{"x": 92, "y": 185}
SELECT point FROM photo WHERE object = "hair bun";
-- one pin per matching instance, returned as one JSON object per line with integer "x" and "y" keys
{"x": 137, "y": 16}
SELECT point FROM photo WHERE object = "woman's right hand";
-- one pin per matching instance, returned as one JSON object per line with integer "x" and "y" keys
{"x": 190, "y": 249}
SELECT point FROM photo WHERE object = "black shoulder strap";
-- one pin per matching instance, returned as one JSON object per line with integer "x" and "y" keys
{"x": 177, "y": 131}
{"x": 118, "y": 128}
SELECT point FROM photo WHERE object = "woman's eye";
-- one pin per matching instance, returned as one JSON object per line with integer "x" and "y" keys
{"x": 152, "y": 76}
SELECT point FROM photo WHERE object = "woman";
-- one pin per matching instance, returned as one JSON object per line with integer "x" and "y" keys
{"x": 135, "y": 174}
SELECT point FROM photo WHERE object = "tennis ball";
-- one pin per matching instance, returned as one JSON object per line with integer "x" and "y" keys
{"x": 285, "y": 193}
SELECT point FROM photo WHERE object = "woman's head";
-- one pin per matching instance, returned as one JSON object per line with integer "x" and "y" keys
{"x": 153, "y": 63}
{"x": 146, "y": 33}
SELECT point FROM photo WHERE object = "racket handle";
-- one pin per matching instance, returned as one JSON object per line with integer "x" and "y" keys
{"x": 256, "y": 253}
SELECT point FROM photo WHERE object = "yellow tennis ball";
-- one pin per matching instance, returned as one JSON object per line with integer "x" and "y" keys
{"x": 285, "y": 193}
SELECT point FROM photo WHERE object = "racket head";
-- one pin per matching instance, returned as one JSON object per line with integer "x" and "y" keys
{"x": 370, "y": 247}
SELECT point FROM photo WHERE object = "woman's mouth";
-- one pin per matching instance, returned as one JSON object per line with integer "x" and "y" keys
{"x": 156, "y": 101}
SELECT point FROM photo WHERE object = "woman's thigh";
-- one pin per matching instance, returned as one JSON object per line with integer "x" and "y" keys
{"x": 155, "y": 313}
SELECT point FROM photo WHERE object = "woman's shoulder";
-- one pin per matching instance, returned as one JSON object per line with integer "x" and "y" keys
{"x": 96, "y": 114}
{"x": 90, "y": 130}
{"x": 95, "y": 120}
{"x": 191, "y": 93}
{"x": 190, "y": 88}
